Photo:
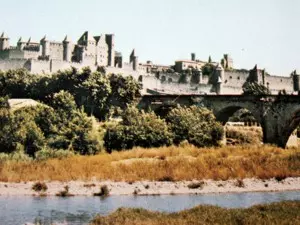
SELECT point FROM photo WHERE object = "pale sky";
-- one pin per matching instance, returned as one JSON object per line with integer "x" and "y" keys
{"x": 263, "y": 32}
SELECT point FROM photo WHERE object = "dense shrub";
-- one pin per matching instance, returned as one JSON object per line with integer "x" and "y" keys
{"x": 50, "y": 153}
{"x": 242, "y": 115}
{"x": 62, "y": 126}
{"x": 39, "y": 187}
{"x": 254, "y": 88}
{"x": 72, "y": 128}
{"x": 137, "y": 129}
{"x": 104, "y": 191}
{"x": 195, "y": 124}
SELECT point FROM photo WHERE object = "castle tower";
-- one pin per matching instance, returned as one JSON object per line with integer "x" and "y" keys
{"x": 253, "y": 75}
{"x": 257, "y": 76}
{"x": 219, "y": 77}
{"x": 20, "y": 44}
{"x": 193, "y": 56}
{"x": 118, "y": 60}
{"x": 4, "y": 42}
{"x": 228, "y": 61}
{"x": 134, "y": 60}
{"x": 296, "y": 80}
{"x": 45, "y": 47}
{"x": 110, "y": 40}
{"x": 200, "y": 76}
{"x": 67, "y": 49}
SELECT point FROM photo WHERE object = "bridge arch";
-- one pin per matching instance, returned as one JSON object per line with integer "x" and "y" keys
{"x": 290, "y": 122}
{"x": 223, "y": 111}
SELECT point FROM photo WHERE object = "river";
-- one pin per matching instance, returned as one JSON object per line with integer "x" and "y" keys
{"x": 80, "y": 210}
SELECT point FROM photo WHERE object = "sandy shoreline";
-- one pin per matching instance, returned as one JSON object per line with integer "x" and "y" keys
{"x": 80, "y": 188}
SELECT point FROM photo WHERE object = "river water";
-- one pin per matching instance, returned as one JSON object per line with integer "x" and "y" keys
{"x": 80, "y": 210}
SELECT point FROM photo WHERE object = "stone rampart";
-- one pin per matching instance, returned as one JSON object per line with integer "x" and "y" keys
{"x": 277, "y": 83}
{"x": 14, "y": 64}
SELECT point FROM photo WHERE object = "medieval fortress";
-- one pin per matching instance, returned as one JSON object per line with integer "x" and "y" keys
{"x": 48, "y": 56}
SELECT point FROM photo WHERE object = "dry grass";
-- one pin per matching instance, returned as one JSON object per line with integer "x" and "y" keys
{"x": 166, "y": 163}
{"x": 243, "y": 135}
{"x": 276, "y": 213}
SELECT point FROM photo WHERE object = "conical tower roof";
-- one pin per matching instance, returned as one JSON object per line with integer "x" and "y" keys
{"x": 67, "y": 39}
{"x": 44, "y": 38}
{"x": 4, "y": 36}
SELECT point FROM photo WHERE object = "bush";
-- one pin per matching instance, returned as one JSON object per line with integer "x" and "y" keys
{"x": 50, "y": 153}
{"x": 196, "y": 185}
{"x": 196, "y": 125}
{"x": 104, "y": 191}
{"x": 19, "y": 156}
{"x": 254, "y": 88}
{"x": 137, "y": 129}
{"x": 65, "y": 192}
{"x": 39, "y": 186}
{"x": 4, "y": 157}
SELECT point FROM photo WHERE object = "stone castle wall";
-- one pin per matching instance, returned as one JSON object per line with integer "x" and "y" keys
{"x": 39, "y": 66}
{"x": 31, "y": 54}
{"x": 235, "y": 79}
{"x": 14, "y": 64}
{"x": 276, "y": 83}
{"x": 56, "y": 50}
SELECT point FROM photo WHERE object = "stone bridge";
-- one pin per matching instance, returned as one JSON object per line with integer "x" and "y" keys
{"x": 279, "y": 115}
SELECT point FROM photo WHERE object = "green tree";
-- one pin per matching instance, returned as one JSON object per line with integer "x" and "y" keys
{"x": 209, "y": 59}
{"x": 242, "y": 115}
{"x": 20, "y": 132}
{"x": 208, "y": 69}
{"x": 125, "y": 91}
{"x": 196, "y": 125}
{"x": 94, "y": 92}
{"x": 16, "y": 83}
{"x": 72, "y": 129}
{"x": 137, "y": 129}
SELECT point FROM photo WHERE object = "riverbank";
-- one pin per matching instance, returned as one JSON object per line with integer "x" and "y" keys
{"x": 80, "y": 188}
{"x": 174, "y": 163}
{"x": 287, "y": 212}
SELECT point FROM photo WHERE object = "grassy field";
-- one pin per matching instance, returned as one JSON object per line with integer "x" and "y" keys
{"x": 243, "y": 135}
{"x": 185, "y": 162}
{"x": 277, "y": 213}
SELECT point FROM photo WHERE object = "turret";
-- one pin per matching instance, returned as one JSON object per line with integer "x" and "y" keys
{"x": 67, "y": 49}
{"x": 218, "y": 79}
{"x": 118, "y": 60}
{"x": 193, "y": 56}
{"x": 200, "y": 76}
{"x": 257, "y": 76}
{"x": 21, "y": 44}
{"x": 296, "y": 80}
{"x": 134, "y": 60}
{"x": 110, "y": 41}
{"x": 45, "y": 47}
{"x": 4, "y": 42}
{"x": 227, "y": 61}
